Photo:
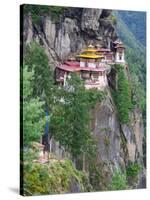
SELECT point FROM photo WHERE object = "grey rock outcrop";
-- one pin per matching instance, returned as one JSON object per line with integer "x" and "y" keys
{"x": 75, "y": 29}
{"x": 111, "y": 134}
{"x": 118, "y": 144}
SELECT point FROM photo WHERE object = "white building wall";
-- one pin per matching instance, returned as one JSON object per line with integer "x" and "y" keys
{"x": 100, "y": 84}
{"x": 82, "y": 64}
{"x": 117, "y": 58}
{"x": 93, "y": 65}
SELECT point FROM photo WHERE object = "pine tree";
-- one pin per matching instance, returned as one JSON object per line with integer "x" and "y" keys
{"x": 33, "y": 113}
{"x": 123, "y": 96}
{"x": 36, "y": 58}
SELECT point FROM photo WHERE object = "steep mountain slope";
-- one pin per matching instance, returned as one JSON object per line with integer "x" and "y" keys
{"x": 118, "y": 143}
{"x": 137, "y": 25}
{"x": 134, "y": 46}
{"x": 130, "y": 27}
{"x": 126, "y": 33}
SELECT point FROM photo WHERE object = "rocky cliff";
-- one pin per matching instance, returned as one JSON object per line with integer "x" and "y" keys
{"x": 75, "y": 29}
{"x": 118, "y": 144}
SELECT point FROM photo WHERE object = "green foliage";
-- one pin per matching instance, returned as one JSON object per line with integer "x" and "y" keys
{"x": 119, "y": 181}
{"x": 95, "y": 174}
{"x": 138, "y": 79}
{"x": 55, "y": 178}
{"x": 33, "y": 113}
{"x": 134, "y": 37}
{"x": 138, "y": 94}
{"x": 126, "y": 34}
{"x": 137, "y": 65}
{"x": 71, "y": 119}
{"x": 36, "y": 58}
{"x": 132, "y": 171}
{"x": 136, "y": 22}
{"x": 122, "y": 96}
{"x": 36, "y": 11}
{"x": 137, "y": 69}
{"x": 29, "y": 154}
{"x": 93, "y": 96}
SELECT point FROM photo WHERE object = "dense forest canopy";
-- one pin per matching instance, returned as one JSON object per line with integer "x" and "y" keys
{"x": 137, "y": 25}
{"x": 130, "y": 27}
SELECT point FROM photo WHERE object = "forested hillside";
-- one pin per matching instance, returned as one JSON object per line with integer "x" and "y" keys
{"x": 137, "y": 25}
{"x": 130, "y": 27}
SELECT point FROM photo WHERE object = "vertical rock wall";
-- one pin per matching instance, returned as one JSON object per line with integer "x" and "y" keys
{"x": 71, "y": 33}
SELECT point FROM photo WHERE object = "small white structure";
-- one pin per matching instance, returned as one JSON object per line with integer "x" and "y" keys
{"x": 119, "y": 54}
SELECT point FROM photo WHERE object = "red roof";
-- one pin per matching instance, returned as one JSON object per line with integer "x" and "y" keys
{"x": 72, "y": 63}
{"x": 75, "y": 67}
{"x": 68, "y": 68}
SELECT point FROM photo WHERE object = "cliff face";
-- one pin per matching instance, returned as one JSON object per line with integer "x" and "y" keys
{"x": 77, "y": 28}
{"x": 117, "y": 144}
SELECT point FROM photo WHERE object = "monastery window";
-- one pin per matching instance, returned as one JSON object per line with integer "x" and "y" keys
{"x": 61, "y": 73}
{"x": 95, "y": 76}
{"x": 120, "y": 56}
{"x": 57, "y": 73}
{"x": 109, "y": 57}
{"x": 85, "y": 75}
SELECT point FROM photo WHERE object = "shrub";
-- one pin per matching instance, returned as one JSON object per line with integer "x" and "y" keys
{"x": 122, "y": 96}
{"x": 36, "y": 11}
{"x": 36, "y": 58}
{"x": 33, "y": 112}
{"x": 96, "y": 175}
{"x": 132, "y": 171}
{"x": 53, "y": 178}
{"x": 119, "y": 181}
